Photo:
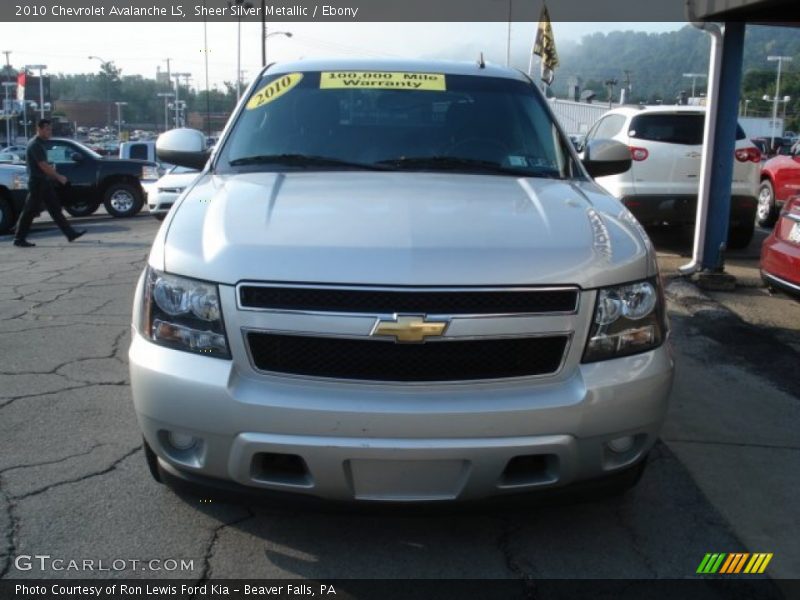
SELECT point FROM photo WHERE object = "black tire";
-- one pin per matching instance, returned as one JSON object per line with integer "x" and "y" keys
{"x": 152, "y": 462}
{"x": 81, "y": 209}
{"x": 7, "y": 215}
{"x": 123, "y": 200}
{"x": 740, "y": 237}
{"x": 160, "y": 217}
{"x": 766, "y": 210}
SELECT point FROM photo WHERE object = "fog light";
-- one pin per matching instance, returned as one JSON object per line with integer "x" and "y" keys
{"x": 621, "y": 445}
{"x": 181, "y": 441}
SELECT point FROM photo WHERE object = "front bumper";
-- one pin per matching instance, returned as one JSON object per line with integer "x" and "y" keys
{"x": 380, "y": 442}
{"x": 159, "y": 203}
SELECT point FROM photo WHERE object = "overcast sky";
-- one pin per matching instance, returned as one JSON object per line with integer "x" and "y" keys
{"x": 141, "y": 48}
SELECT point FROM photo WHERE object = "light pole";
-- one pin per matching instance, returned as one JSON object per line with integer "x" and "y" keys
{"x": 166, "y": 96}
{"x": 694, "y": 77}
{"x": 39, "y": 68}
{"x": 103, "y": 63}
{"x": 119, "y": 118}
{"x": 268, "y": 35}
{"x": 746, "y": 104}
{"x": 248, "y": 6}
{"x": 6, "y": 85}
{"x": 780, "y": 60}
{"x": 508, "y": 37}
{"x": 177, "y": 77}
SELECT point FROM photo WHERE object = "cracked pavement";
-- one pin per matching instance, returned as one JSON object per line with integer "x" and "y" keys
{"x": 74, "y": 484}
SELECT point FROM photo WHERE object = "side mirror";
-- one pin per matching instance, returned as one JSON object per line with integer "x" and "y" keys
{"x": 185, "y": 147}
{"x": 606, "y": 157}
{"x": 76, "y": 157}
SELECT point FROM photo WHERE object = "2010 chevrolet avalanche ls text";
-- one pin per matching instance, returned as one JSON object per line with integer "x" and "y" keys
{"x": 394, "y": 281}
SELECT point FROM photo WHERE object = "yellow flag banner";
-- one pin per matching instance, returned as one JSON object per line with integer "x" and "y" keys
{"x": 545, "y": 46}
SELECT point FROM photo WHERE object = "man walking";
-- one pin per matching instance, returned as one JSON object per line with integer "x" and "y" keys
{"x": 41, "y": 190}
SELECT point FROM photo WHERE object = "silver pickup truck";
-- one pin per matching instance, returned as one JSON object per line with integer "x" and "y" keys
{"x": 13, "y": 189}
{"x": 395, "y": 281}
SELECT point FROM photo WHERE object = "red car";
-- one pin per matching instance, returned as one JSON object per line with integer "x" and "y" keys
{"x": 780, "y": 253}
{"x": 780, "y": 180}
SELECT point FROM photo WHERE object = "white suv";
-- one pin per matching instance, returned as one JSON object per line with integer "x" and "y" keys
{"x": 666, "y": 146}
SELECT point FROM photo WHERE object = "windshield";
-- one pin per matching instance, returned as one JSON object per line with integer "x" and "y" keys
{"x": 674, "y": 128}
{"x": 395, "y": 121}
{"x": 86, "y": 149}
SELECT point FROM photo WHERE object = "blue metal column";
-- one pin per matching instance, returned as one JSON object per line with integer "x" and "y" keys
{"x": 724, "y": 146}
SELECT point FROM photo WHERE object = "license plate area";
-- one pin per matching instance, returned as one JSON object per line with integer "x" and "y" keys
{"x": 407, "y": 480}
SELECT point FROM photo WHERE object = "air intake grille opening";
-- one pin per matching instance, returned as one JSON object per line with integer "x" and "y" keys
{"x": 387, "y": 361}
{"x": 530, "y": 469}
{"x": 272, "y": 467}
{"x": 417, "y": 301}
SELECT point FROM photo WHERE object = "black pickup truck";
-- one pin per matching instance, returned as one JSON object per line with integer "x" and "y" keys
{"x": 95, "y": 180}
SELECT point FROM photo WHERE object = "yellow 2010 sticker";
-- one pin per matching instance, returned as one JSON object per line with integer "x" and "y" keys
{"x": 337, "y": 80}
{"x": 274, "y": 90}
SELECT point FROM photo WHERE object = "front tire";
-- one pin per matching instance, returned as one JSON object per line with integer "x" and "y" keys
{"x": 81, "y": 209}
{"x": 7, "y": 216}
{"x": 766, "y": 211}
{"x": 123, "y": 200}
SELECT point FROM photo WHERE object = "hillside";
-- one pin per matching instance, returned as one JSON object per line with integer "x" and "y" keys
{"x": 657, "y": 61}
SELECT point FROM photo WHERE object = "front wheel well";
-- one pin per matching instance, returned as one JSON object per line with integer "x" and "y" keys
{"x": 116, "y": 179}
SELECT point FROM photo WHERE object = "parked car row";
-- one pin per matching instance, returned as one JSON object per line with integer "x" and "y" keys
{"x": 93, "y": 181}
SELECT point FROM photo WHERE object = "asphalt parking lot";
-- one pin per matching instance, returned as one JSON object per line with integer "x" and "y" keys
{"x": 73, "y": 480}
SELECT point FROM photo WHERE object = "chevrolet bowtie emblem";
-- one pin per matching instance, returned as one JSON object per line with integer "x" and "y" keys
{"x": 409, "y": 328}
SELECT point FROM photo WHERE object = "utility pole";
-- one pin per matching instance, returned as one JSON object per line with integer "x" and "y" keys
{"x": 694, "y": 77}
{"x": 177, "y": 77}
{"x": 780, "y": 60}
{"x": 169, "y": 75}
{"x": 119, "y": 118}
{"x": 263, "y": 33}
{"x": 41, "y": 69}
{"x": 610, "y": 84}
{"x": 508, "y": 37}
{"x": 6, "y": 84}
{"x": 166, "y": 96}
{"x": 104, "y": 64}
{"x": 628, "y": 81}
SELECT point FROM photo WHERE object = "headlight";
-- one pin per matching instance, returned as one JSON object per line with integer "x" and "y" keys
{"x": 628, "y": 319}
{"x": 183, "y": 313}
{"x": 150, "y": 172}
{"x": 19, "y": 181}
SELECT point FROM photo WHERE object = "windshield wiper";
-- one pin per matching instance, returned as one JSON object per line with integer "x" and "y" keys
{"x": 456, "y": 163}
{"x": 303, "y": 160}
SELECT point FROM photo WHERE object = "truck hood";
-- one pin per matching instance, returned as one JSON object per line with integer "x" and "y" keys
{"x": 390, "y": 228}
